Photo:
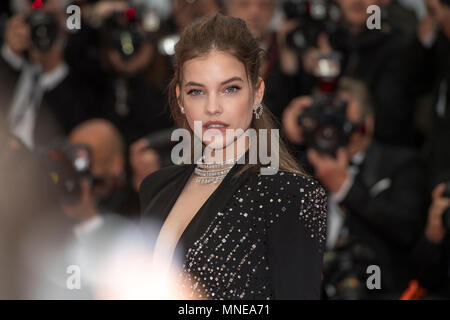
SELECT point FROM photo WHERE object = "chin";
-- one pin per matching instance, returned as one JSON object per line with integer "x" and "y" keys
{"x": 219, "y": 143}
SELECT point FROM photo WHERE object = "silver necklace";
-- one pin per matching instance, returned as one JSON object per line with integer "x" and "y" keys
{"x": 216, "y": 172}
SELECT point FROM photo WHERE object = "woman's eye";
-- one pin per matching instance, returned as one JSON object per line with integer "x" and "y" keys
{"x": 194, "y": 92}
{"x": 232, "y": 89}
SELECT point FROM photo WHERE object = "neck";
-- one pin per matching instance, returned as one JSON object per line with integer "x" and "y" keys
{"x": 232, "y": 151}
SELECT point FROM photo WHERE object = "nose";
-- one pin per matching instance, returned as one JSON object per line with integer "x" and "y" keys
{"x": 213, "y": 106}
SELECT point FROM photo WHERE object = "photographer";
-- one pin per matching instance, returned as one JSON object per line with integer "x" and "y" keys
{"x": 89, "y": 208}
{"x": 105, "y": 189}
{"x": 376, "y": 193}
{"x": 432, "y": 79}
{"x": 282, "y": 75}
{"x": 38, "y": 79}
{"x": 376, "y": 57}
{"x": 431, "y": 255}
{"x": 127, "y": 97}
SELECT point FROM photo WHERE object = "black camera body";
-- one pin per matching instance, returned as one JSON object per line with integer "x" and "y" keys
{"x": 65, "y": 165}
{"x": 315, "y": 16}
{"x": 325, "y": 125}
{"x": 122, "y": 34}
{"x": 44, "y": 29}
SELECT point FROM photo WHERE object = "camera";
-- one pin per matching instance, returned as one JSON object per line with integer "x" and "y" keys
{"x": 121, "y": 33}
{"x": 44, "y": 29}
{"x": 315, "y": 16}
{"x": 327, "y": 71}
{"x": 325, "y": 125}
{"x": 446, "y": 214}
{"x": 65, "y": 165}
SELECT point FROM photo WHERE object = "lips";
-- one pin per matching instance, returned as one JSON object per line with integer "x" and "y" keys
{"x": 215, "y": 125}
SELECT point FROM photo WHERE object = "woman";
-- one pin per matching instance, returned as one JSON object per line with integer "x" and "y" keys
{"x": 248, "y": 235}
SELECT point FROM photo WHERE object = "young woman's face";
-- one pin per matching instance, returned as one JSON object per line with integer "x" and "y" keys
{"x": 216, "y": 91}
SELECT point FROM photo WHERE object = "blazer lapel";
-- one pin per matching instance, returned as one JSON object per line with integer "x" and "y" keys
{"x": 164, "y": 199}
{"x": 215, "y": 203}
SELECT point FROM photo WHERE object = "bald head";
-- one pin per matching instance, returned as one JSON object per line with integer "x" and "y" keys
{"x": 100, "y": 134}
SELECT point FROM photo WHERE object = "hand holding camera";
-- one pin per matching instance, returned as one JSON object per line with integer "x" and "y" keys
{"x": 85, "y": 208}
{"x": 38, "y": 36}
{"x": 331, "y": 172}
{"x": 290, "y": 115}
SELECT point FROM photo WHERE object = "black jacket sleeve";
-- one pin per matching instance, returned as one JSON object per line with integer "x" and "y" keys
{"x": 430, "y": 262}
{"x": 296, "y": 243}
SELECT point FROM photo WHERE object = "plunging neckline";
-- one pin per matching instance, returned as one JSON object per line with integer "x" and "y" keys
{"x": 181, "y": 245}
{"x": 213, "y": 203}
{"x": 197, "y": 214}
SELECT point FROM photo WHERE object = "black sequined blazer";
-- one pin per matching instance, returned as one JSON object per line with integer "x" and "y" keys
{"x": 256, "y": 237}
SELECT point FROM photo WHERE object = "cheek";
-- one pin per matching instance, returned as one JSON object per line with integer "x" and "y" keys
{"x": 239, "y": 111}
{"x": 193, "y": 108}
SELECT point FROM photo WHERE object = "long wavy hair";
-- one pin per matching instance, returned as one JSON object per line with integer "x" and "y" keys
{"x": 230, "y": 35}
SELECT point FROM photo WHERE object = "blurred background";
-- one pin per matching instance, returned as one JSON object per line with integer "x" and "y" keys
{"x": 84, "y": 118}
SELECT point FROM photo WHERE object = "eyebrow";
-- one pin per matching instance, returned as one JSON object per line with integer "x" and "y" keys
{"x": 192, "y": 83}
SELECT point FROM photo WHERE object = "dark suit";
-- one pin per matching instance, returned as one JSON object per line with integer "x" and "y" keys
{"x": 377, "y": 57}
{"x": 432, "y": 75}
{"x": 62, "y": 108}
{"x": 145, "y": 106}
{"x": 385, "y": 209}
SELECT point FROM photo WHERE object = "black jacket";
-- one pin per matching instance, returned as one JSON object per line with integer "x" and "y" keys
{"x": 431, "y": 76}
{"x": 145, "y": 111}
{"x": 431, "y": 263}
{"x": 62, "y": 108}
{"x": 387, "y": 216}
{"x": 281, "y": 88}
{"x": 378, "y": 58}
{"x": 257, "y": 237}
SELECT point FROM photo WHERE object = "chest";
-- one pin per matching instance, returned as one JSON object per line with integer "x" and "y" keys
{"x": 186, "y": 207}
{"x": 229, "y": 255}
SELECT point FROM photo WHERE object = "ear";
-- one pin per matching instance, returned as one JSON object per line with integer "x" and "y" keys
{"x": 259, "y": 91}
{"x": 178, "y": 93}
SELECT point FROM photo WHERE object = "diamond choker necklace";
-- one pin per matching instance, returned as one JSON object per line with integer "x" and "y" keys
{"x": 213, "y": 172}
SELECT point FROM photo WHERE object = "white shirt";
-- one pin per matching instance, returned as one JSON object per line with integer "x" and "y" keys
{"x": 336, "y": 217}
{"x": 30, "y": 88}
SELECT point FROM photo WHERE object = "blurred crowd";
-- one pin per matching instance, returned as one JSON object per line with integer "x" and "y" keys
{"x": 84, "y": 118}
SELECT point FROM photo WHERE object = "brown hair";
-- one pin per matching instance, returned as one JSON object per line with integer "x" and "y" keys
{"x": 227, "y": 34}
